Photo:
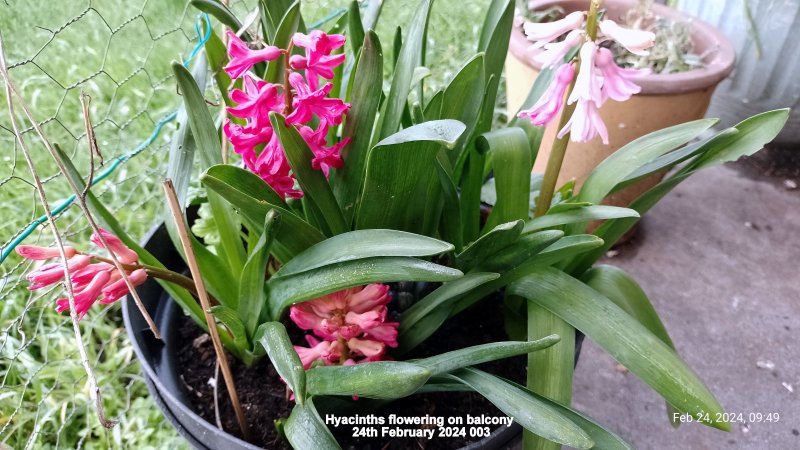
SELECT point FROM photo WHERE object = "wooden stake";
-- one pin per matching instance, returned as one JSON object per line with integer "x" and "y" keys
{"x": 183, "y": 232}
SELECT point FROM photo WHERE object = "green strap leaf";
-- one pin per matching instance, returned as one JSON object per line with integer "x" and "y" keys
{"x": 577, "y": 215}
{"x": 220, "y": 12}
{"x": 499, "y": 237}
{"x": 252, "y": 293}
{"x": 253, "y": 198}
{"x": 313, "y": 183}
{"x": 511, "y": 160}
{"x": 284, "y": 291}
{"x": 231, "y": 321}
{"x": 623, "y": 337}
{"x": 273, "y": 336}
{"x": 410, "y": 57}
{"x": 363, "y": 244}
{"x": 290, "y": 23}
{"x": 364, "y": 98}
{"x": 355, "y": 26}
{"x": 479, "y": 354}
{"x": 400, "y": 173}
{"x": 217, "y": 59}
{"x": 520, "y": 251}
{"x": 381, "y": 380}
{"x": 462, "y": 100}
{"x": 413, "y": 331}
{"x": 623, "y": 290}
{"x": 534, "y": 414}
{"x": 306, "y": 430}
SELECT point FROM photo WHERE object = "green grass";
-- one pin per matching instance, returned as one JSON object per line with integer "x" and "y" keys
{"x": 119, "y": 53}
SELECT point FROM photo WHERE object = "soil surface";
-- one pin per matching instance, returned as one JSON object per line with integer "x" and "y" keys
{"x": 263, "y": 394}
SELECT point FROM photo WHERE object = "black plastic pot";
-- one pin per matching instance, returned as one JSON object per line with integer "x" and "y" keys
{"x": 159, "y": 366}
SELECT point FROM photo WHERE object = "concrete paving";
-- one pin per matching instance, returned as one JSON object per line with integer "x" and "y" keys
{"x": 719, "y": 259}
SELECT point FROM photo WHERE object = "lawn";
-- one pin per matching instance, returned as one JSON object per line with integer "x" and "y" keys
{"x": 118, "y": 53}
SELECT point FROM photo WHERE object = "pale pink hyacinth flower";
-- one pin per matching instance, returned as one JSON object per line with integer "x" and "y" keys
{"x": 555, "y": 52}
{"x": 552, "y": 100}
{"x": 89, "y": 280}
{"x": 588, "y": 83}
{"x": 242, "y": 58}
{"x": 585, "y": 123}
{"x": 351, "y": 321}
{"x": 543, "y": 32}
{"x": 635, "y": 41}
{"x": 618, "y": 83}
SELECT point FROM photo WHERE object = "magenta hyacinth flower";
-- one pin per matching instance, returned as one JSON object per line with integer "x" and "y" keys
{"x": 318, "y": 61}
{"x": 256, "y": 102}
{"x": 552, "y": 100}
{"x": 308, "y": 102}
{"x": 325, "y": 157}
{"x": 242, "y": 58}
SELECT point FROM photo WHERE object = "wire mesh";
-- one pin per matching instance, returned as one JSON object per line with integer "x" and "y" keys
{"x": 119, "y": 53}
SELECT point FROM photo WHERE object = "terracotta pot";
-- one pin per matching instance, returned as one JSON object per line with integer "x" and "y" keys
{"x": 665, "y": 100}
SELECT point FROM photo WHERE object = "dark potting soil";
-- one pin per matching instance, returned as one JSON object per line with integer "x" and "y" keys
{"x": 263, "y": 395}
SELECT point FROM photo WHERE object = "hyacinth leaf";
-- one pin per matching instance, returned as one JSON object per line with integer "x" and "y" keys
{"x": 365, "y": 97}
{"x": 362, "y": 244}
{"x": 580, "y": 214}
{"x": 751, "y": 136}
{"x": 471, "y": 184}
{"x": 305, "y": 429}
{"x": 230, "y": 319}
{"x": 632, "y": 156}
{"x": 313, "y": 182}
{"x": 623, "y": 290}
{"x": 284, "y": 291}
{"x": 399, "y": 175}
{"x": 355, "y": 26}
{"x": 511, "y": 160}
{"x": 412, "y": 331}
{"x": 109, "y": 222}
{"x": 532, "y": 412}
{"x": 423, "y": 328}
{"x": 268, "y": 25}
{"x": 217, "y": 59}
{"x": 290, "y": 23}
{"x": 253, "y": 198}
{"x": 410, "y": 57}
{"x": 493, "y": 42}
{"x": 499, "y": 237}
{"x": 462, "y": 100}
{"x": 451, "y": 209}
{"x": 273, "y": 337}
{"x": 479, "y": 354}
{"x": 520, "y": 251}
{"x": 220, "y": 12}
{"x": 380, "y": 380}
{"x": 622, "y": 336}
{"x": 252, "y": 293}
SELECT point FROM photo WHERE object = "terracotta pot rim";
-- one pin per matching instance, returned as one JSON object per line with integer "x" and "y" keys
{"x": 719, "y": 63}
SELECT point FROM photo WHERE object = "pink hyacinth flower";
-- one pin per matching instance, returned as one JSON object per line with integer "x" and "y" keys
{"x": 325, "y": 157}
{"x": 552, "y": 100}
{"x": 256, "y": 102}
{"x": 585, "y": 123}
{"x": 50, "y": 274}
{"x": 588, "y": 84}
{"x": 124, "y": 254}
{"x": 115, "y": 290}
{"x": 41, "y": 253}
{"x": 308, "y": 102}
{"x": 618, "y": 83}
{"x": 366, "y": 347}
{"x": 318, "y": 61}
{"x": 327, "y": 352}
{"x": 245, "y": 139}
{"x": 385, "y": 333}
{"x": 635, "y": 41}
{"x": 554, "y": 52}
{"x": 85, "y": 298}
{"x": 242, "y": 58}
{"x": 544, "y": 32}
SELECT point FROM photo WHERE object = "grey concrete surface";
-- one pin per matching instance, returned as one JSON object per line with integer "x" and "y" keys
{"x": 719, "y": 259}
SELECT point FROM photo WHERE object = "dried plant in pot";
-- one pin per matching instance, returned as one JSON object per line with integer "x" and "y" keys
{"x": 677, "y": 89}
{"x": 337, "y": 188}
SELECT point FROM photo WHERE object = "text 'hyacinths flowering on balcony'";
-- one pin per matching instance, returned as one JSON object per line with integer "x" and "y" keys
{"x": 300, "y": 99}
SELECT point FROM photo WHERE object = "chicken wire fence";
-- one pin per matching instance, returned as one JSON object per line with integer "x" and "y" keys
{"x": 118, "y": 52}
